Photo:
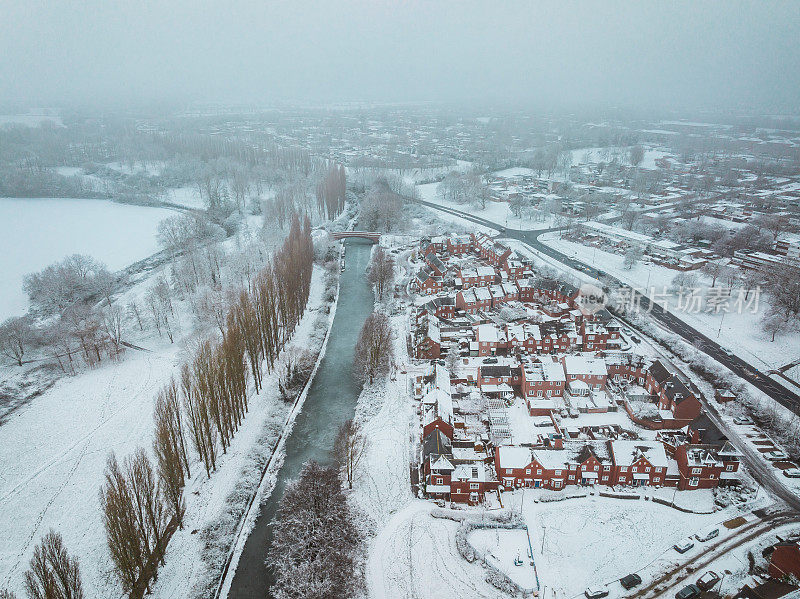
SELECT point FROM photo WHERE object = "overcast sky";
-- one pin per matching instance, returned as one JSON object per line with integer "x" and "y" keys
{"x": 666, "y": 53}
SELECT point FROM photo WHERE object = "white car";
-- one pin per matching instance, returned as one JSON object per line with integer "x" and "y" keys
{"x": 792, "y": 473}
{"x": 742, "y": 420}
{"x": 683, "y": 546}
{"x": 776, "y": 456}
{"x": 707, "y": 534}
{"x": 595, "y": 593}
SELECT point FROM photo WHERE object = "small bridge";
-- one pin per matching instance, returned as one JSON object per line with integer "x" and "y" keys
{"x": 371, "y": 235}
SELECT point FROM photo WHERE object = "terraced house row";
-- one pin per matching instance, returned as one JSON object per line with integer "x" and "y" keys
{"x": 528, "y": 390}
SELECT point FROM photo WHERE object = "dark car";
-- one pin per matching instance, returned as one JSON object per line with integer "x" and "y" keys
{"x": 630, "y": 581}
{"x": 690, "y": 591}
{"x": 635, "y": 339}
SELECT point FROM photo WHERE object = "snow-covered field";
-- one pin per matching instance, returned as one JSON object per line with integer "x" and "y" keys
{"x": 415, "y": 556}
{"x": 740, "y": 333}
{"x": 591, "y": 541}
{"x": 54, "y": 451}
{"x": 497, "y": 212}
{"x": 38, "y": 232}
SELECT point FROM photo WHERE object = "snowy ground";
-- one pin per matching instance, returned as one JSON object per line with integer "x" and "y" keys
{"x": 593, "y": 541}
{"x": 49, "y": 229}
{"x": 54, "y": 450}
{"x": 498, "y": 212}
{"x": 185, "y": 572}
{"x": 740, "y": 333}
{"x": 415, "y": 557}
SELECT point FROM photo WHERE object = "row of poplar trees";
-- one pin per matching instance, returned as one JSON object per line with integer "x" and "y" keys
{"x": 331, "y": 192}
{"x": 201, "y": 411}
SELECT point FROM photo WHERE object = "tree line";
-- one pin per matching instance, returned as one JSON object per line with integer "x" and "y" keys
{"x": 202, "y": 410}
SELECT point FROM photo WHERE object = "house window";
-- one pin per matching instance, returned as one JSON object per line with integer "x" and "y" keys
{"x": 527, "y": 470}
{"x": 606, "y": 467}
{"x": 605, "y": 477}
{"x": 572, "y": 477}
{"x": 622, "y": 479}
{"x": 729, "y": 467}
{"x": 596, "y": 468}
{"x": 474, "y": 485}
{"x": 656, "y": 479}
{"x": 439, "y": 481}
{"x": 696, "y": 470}
{"x": 509, "y": 471}
{"x": 623, "y": 469}
{"x": 539, "y": 471}
{"x": 694, "y": 482}
{"x": 647, "y": 469}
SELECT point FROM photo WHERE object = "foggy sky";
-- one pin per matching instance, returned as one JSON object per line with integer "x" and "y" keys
{"x": 665, "y": 54}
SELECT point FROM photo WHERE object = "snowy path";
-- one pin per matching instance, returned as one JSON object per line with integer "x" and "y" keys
{"x": 415, "y": 556}
{"x": 54, "y": 453}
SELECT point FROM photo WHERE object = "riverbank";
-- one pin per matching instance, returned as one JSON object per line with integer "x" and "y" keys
{"x": 270, "y": 470}
{"x": 330, "y": 401}
{"x": 215, "y": 506}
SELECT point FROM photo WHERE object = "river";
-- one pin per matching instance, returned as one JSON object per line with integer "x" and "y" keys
{"x": 331, "y": 400}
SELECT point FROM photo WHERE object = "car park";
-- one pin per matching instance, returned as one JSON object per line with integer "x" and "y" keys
{"x": 683, "y": 546}
{"x": 688, "y": 592}
{"x": 707, "y": 534}
{"x": 708, "y": 580}
{"x": 630, "y": 581}
{"x": 595, "y": 593}
{"x": 776, "y": 456}
{"x": 792, "y": 473}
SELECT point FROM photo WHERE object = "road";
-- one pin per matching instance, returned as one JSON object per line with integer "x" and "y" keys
{"x": 765, "y": 476}
{"x": 668, "y": 320}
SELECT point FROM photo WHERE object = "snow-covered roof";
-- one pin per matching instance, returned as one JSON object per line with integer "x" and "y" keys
{"x": 625, "y": 453}
{"x": 513, "y": 456}
{"x": 584, "y": 365}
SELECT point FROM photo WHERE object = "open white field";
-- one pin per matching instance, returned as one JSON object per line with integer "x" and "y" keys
{"x": 593, "y": 541}
{"x": 38, "y": 232}
{"x": 54, "y": 449}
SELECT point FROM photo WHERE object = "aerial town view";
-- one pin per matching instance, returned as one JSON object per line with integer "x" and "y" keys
{"x": 400, "y": 300}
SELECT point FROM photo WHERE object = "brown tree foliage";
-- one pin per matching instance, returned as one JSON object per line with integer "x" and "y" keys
{"x": 331, "y": 192}
{"x": 381, "y": 272}
{"x": 374, "y": 350}
{"x": 53, "y": 574}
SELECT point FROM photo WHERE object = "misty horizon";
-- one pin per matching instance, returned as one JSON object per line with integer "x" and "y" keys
{"x": 684, "y": 56}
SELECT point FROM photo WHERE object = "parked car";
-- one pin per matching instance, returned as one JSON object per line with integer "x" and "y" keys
{"x": 595, "y": 593}
{"x": 490, "y": 360}
{"x": 742, "y": 420}
{"x": 690, "y": 591}
{"x": 630, "y": 581}
{"x": 683, "y": 546}
{"x": 776, "y": 456}
{"x": 792, "y": 473}
{"x": 635, "y": 339}
{"x": 708, "y": 580}
{"x": 707, "y": 534}
{"x": 626, "y": 330}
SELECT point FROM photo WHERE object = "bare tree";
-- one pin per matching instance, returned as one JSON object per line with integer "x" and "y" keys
{"x": 169, "y": 447}
{"x": 15, "y": 335}
{"x": 349, "y": 448}
{"x": 636, "y": 155}
{"x": 381, "y": 272}
{"x": 53, "y": 574}
{"x": 374, "y": 350}
{"x": 315, "y": 540}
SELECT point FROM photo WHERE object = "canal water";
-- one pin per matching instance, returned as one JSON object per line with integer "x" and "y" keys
{"x": 331, "y": 400}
